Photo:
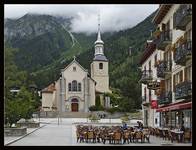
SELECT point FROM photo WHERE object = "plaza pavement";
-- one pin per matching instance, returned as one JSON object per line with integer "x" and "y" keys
{"x": 54, "y": 132}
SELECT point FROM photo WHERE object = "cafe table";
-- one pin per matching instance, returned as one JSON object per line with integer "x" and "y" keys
{"x": 178, "y": 134}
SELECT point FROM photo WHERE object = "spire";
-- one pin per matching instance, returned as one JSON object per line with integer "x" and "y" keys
{"x": 99, "y": 45}
{"x": 99, "y": 32}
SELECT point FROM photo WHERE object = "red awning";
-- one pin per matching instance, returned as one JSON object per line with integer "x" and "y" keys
{"x": 175, "y": 107}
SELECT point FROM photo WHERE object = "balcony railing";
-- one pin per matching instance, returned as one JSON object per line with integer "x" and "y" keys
{"x": 183, "y": 90}
{"x": 163, "y": 68}
{"x": 165, "y": 98}
{"x": 183, "y": 53}
{"x": 164, "y": 39}
{"x": 182, "y": 17}
{"x": 147, "y": 76}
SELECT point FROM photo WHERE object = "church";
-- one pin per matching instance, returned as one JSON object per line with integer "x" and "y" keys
{"x": 76, "y": 90}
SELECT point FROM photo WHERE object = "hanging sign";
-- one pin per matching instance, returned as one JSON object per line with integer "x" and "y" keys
{"x": 154, "y": 104}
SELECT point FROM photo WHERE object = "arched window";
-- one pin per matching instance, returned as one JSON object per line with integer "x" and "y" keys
{"x": 100, "y": 65}
{"x": 74, "y": 85}
{"x": 69, "y": 86}
{"x": 79, "y": 86}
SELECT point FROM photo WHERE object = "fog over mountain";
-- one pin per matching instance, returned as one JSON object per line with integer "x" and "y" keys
{"x": 84, "y": 17}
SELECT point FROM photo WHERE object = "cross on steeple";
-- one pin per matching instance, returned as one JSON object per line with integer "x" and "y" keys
{"x": 74, "y": 57}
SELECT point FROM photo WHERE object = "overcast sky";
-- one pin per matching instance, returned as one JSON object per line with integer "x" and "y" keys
{"x": 113, "y": 17}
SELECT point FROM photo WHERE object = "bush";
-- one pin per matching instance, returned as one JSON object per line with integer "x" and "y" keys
{"x": 96, "y": 108}
{"x": 112, "y": 110}
{"x": 93, "y": 108}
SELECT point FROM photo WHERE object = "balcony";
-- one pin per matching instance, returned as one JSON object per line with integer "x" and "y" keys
{"x": 183, "y": 53}
{"x": 182, "y": 17}
{"x": 165, "y": 98}
{"x": 164, "y": 39}
{"x": 183, "y": 90}
{"x": 146, "y": 76}
{"x": 163, "y": 68}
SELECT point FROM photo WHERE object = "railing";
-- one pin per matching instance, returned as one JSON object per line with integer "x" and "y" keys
{"x": 182, "y": 16}
{"x": 146, "y": 76}
{"x": 183, "y": 90}
{"x": 164, "y": 67}
{"x": 181, "y": 53}
{"x": 164, "y": 39}
{"x": 165, "y": 97}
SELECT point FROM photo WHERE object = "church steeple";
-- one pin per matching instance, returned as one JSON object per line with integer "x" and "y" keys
{"x": 99, "y": 33}
{"x": 99, "y": 45}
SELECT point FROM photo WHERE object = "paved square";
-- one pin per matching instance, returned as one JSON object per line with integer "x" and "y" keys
{"x": 64, "y": 134}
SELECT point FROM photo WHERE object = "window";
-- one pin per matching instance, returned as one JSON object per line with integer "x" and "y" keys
{"x": 74, "y": 69}
{"x": 69, "y": 86}
{"x": 100, "y": 65}
{"x": 79, "y": 86}
{"x": 74, "y": 85}
{"x": 149, "y": 65}
{"x": 156, "y": 121}
{"x": 155, "y": 59}
{"x": 187, "y": 74}
{"x": 149, "y": 95}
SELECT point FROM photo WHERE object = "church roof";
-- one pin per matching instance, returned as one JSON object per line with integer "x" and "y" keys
{"x": 74, "y": 61}
{"x": 100, "y": 58}
{"x": 49, "y": 89}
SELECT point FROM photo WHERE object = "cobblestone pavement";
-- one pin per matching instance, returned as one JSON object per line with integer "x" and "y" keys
{"x": 63, "y": 134}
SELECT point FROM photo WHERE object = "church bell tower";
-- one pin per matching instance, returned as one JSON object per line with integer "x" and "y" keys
{"x": 99, "y": 66}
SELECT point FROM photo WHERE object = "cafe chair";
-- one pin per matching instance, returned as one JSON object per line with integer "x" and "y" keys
{"x": 146, "y": 134}
{"x": 126, "y": 137}
{"x": 171, "y": 136}
{"x": 117, "y": 137}
{"x": 138, "y": 136}
{"x": 187, "y": 136}
{"x": 91, "y": 137}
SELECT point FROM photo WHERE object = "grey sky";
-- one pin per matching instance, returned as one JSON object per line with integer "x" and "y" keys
{"x": 113, "y": 17}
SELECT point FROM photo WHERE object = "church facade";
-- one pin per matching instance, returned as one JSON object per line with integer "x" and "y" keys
{"x": 76, "y": 90}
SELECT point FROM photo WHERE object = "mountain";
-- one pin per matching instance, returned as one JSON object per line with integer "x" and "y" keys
{"x": 42, "y": 40}
{"x": 46, "y": 45}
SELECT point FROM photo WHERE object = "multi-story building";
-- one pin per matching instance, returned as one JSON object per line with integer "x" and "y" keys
{"x": 150, "y": 83}
{"x": 173, "y": 40}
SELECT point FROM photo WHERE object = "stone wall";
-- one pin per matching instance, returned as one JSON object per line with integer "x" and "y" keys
{"x": 15, "y": 131}
{"x": 29, "y": 124}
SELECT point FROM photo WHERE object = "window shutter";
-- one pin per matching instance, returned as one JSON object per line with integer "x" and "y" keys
{"x": 162, "y": 84}
{"x": 181, "y": 76}
{"x": 185, "y": 74}
{"x": 174, "y": 82}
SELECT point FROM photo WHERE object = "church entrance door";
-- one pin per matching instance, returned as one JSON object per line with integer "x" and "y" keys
{"x": 74, "y": 105}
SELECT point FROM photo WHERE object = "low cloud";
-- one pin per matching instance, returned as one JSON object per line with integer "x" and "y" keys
{"x": 113, "y": 17}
